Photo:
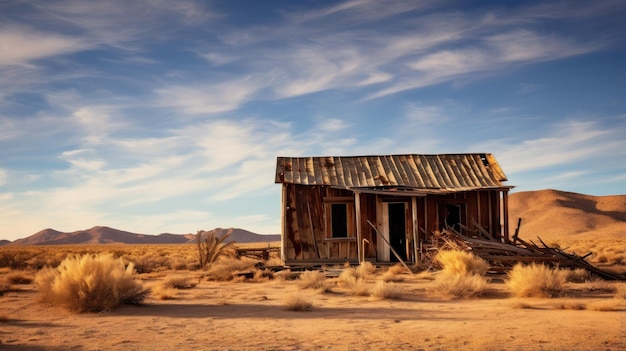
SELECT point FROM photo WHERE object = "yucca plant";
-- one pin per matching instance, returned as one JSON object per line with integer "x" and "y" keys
{"x": 211, "y": 247}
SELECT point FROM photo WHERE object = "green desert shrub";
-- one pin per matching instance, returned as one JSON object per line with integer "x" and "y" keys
{"x": 535, "y": 280}
{"x": 90, "y": 283}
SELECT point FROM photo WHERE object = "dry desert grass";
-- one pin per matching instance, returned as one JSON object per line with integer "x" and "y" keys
{"x": 364, "y": 307}
{"x": 90, "y": 283}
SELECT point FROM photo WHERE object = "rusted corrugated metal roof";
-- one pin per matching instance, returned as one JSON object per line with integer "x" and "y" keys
{"x": 427, "y": 173}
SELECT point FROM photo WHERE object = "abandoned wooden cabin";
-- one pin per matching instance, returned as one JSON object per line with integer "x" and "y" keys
{"x": 379, "y": 208}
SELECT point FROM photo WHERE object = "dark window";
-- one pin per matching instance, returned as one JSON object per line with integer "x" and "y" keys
{"x": 339, "y": 218}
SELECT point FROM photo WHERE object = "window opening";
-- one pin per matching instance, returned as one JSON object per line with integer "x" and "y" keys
{"x": 339, "y": 219}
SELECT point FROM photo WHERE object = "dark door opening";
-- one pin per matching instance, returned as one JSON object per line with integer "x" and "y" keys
{"x": 451, "y": 217}
{"x": 397, "y": 230}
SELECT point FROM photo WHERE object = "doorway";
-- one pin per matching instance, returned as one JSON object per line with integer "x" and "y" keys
{"x": 397, "y": 229}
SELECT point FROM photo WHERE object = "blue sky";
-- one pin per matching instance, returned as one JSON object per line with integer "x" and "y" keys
{"x": 168, "y": 116}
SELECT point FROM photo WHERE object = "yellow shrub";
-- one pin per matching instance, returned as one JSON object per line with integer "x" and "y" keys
{"x": 384, "y": 290}
{"x": 461, "y": 262}
{"x": 297, "y": 302}
{"x": 461, "y": 275}
{"x": 454, "y": 286}
{"x": 89, "y": 284}
{"x": 312, "y": 280}
{"x": 535, "y": 280}
{"x": 351, "y": 280}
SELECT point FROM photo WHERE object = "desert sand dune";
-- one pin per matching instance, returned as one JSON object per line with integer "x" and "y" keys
{"x": 561, "y": 216}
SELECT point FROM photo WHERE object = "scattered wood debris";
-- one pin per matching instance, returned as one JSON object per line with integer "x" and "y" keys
{"x": 261, "y": 253}
{"x": 503, "y": 255}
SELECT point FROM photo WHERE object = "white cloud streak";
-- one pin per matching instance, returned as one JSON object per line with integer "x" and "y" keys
{"x": 21, "y": 46}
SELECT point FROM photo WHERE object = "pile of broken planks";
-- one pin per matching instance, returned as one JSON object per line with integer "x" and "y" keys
{"x": 503, "y": 255}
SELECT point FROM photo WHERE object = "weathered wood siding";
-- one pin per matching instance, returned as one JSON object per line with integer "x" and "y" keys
{"x": 304, "y": 232}
{"x": 305, "y": 237}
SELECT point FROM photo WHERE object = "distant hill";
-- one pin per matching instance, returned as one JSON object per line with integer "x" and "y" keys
{"x": 242, "y": 236}
{"x": 552, "y": 215}
{"x": 106, "y": 235}
{"x": 559, "y": 215}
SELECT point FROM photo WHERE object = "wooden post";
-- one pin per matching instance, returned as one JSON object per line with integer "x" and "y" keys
{"x": 519, "y": 223}
{"x": 357, "y": 205}
{"x": 283, "y": 224}
{"x": 505, "y": 214}
{"x": 415, "y": 234}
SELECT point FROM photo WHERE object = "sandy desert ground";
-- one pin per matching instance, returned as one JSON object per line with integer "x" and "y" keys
{"x": 253, "y": 316}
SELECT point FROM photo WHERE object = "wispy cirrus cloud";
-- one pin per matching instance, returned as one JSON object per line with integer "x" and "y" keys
{"x": 207, "y": 99}
{"x": 118, "y": 23}
{"x": 416, "y": 55}
{"x": 21, "y": 45}
{"x": 571, "y": 141}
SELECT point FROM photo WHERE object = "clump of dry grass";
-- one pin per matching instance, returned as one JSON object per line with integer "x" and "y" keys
{"x": 226, "y": 268}
{"x": 385, "y": 290}
{"x": 520, "y": 304}
{"x": 570, "y": 305}
{"x": 148, "y": 262}
{"x": 15, "y": 258}
{"x": 611, "y": 255}
{"x": 164, "y": 293}
{"x": 297, "y": 302}
{"x": 461, "y": 275}
{"x": 354, "y": 283}
{"x": 285, "y": 274}
{"x": 425, "y": 275}
{"x": 535, "y": 280}
{"x": 365, "y": 269}
{"x": 179, "y": 283}
{"x": 578, "y": 275}
{"x": 458, "y": 262}
{"x": 454, "y": 286}
{"x": 19, "y": 277}
{"x": 313, "y": 280}
{"x": 262, "y": 275}
{"x": 394, "y": 273}
{"x": 179, "y": 264}
{"x": 597, "y": 284}
{"x": 90, "y": 284}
